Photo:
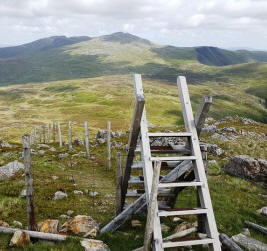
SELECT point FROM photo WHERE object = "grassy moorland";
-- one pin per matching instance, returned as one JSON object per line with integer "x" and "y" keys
{"x": 97, "y": 100}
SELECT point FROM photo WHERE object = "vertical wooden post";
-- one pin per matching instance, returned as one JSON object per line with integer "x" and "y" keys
{"x": 43, "y": 134}
{"x": 152, "y": 207}
{"x": 35, "y": 135}
{"x": 59, "y": 134}
{"x": 86, "y": 140}
{"x": 70, "y": 143}
{"x": 108, "y": 146}
{"x": 118, "y": 184}
{"x": 29, "y": 182}
{"x": 40, "y": 135}
{"x": 54, "y": 132}
{"x": 48, "y": 133}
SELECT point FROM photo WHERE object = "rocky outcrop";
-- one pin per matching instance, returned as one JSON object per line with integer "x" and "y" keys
{"x": 10, "y": 169}
{"x": 246, "y": 167}
{"x": 249, "y": 243}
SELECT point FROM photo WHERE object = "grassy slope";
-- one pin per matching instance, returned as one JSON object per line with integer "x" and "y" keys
{"x": 23, "y": 107}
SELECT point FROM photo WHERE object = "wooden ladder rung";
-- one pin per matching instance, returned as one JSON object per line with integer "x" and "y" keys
{"x": 181, "y": 184}
{"x": 138, "y": 165}
{"x": 171, "y": 134}
{"x": 170, "y": 158}
{"x": 136, "y": 180}
{"x": 177, "y": 212}
{"x": 189, "y": 242}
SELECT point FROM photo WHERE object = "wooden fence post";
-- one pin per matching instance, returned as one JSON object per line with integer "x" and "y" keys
{"x": 86, "y": 140}
{"x": 43, "y": 134}
{"x": 35, "y": 135}
{"x": 48, "y": 133}
{"x": 108, "y": 146}
{"x": 40, "y": 135}
{"x": 59, "y": 134}
{"x": 118, "y": 184}
{"x": 152, "y": 207}
{"x": 54, "y": 132}
{"x": 70, "y": 140}
{"x": 29, "y": 182}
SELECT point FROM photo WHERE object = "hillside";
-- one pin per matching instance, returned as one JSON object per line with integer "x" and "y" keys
{"x": 62, "y": 58}
{"x": 23, "y": 107}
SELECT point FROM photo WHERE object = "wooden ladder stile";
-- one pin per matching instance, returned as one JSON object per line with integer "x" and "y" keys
{"x": 140, "y": 139}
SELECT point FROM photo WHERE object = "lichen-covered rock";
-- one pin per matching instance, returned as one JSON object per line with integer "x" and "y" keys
{"x": 246, "y": 167}
{"x": 63, "y": 155}
{"x": 49, "y": 226}
{"x": 60, "y": 195}
{"x": 82, "y": 224}
{"x": 77, "y": 192}
{"x": 5, "y": 144}
{"x": 249, "y": 243}
{"x": 20, "y": 239}
{"x": 214, "y": 149}
{"x": 17, "y": 224}
{"x": 263, "y": 211}
{"x": 209, "y": 129}
{"x": 94, "y": 245}
{"x": 3, "y": 224}
{"x": 10, "y": 169}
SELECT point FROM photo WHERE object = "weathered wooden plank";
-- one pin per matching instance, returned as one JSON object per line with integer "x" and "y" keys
{"x": 152, "y": 208}
{"x": 108, "y": 146}
{"x": 37, "y": 235}
{"x": 59, "y": 134}
{"x": 86, "y": 140}
{"x": 118, "y": 184}
{"x": 256, "y": 227}
{"x": 126, "y": 214}
{"x": 134, "y": 133}
{"x": 48, "y": 133}
{"x": 29, "y": 182}
{"x": 228, "y": 243}
{"x": 203, "y": 191}
{"x": 202, "y": 112}
{"x": 70, "y": 135}
{"x": 54, "y": 131}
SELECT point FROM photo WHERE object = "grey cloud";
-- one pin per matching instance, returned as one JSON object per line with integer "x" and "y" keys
{"x": 160, "y": 20}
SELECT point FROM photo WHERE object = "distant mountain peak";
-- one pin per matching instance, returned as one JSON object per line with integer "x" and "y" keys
{"x": 124, "y": 38}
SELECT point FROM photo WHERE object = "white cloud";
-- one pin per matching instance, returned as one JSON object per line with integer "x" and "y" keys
{"x": 236, "y": 23}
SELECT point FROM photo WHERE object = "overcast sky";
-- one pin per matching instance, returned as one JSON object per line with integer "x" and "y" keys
{"x": 223, "y": 23}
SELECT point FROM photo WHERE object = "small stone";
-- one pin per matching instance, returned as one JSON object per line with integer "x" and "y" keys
{"x": 136, "y": 223}
{"x": 17, "y": 224}
{"x": 8, "y": 155}
{"x": 54, "y": 177}
{"x": 63, "y": 155}
{"x": 213, "y": 162}
{"x": 23, "y": 192}
{"x": 93, "y": 194}
{"x": 49, "y": 226}
{"x": 101, "y": 141}
{"x": 20, "y": 239}
{"x": 77, "y": 192}
{"x": 60, "y": 195}
{"x": 52, "y": 149}
{"x": 9, "y": 170}
{"x": 94, "y": 245}
{"x": 42, "y": 152}
{"x": 3, "y": 224}
{"x": 64, "y": 216}
{"x": 5, "y": 144}
{"x": 108, "y": 195}
{"x": 164, "y": 228}
{"x": 43, "y": 146}
{"x": 263, "y": 211}
{"x": 70, "y": 212}
{"x": 78, "y": 142}
{"x": 246, "y": 232}
{"x": 177, "y": 219}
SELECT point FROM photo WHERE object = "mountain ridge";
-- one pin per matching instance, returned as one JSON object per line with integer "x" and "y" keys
{"x": 61, "y": 58}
